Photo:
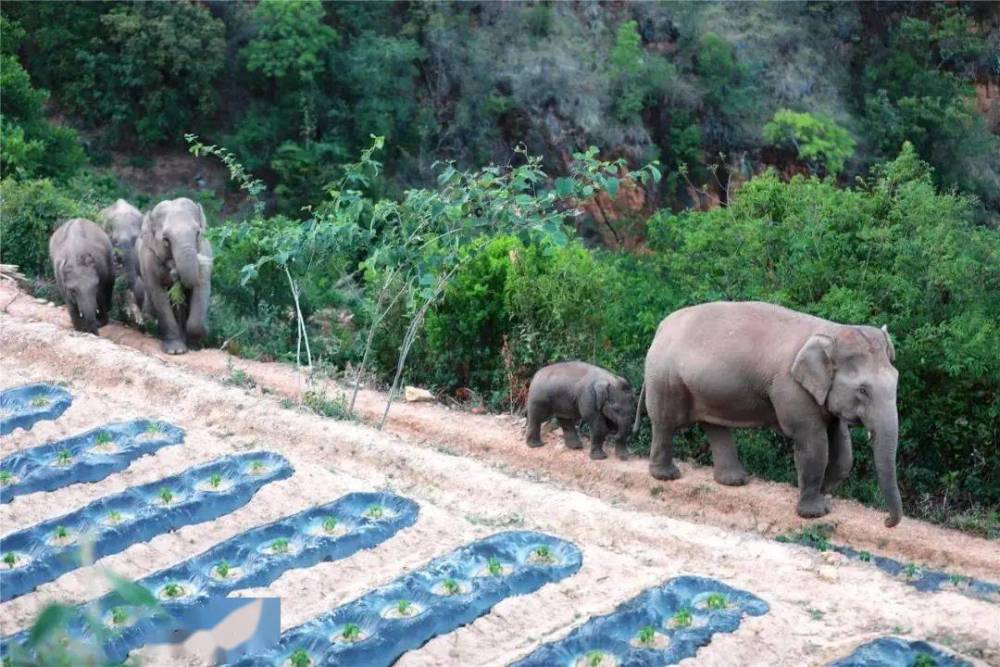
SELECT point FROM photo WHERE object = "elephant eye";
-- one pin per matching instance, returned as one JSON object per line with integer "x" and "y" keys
{"x": 863, "y": 391}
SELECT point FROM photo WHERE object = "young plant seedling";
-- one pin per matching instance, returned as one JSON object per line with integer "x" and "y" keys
{"x": 594, "y": 658}
{"x": 865, "y": 557}
{"x": 912, "y": 571}
{"x": 923, "y": 660}
{"x": 351, "y": 632}
{"x": 5, "y": 477}
{"x": 716, "y": 601}
{"x": 543, "y": 554}
{"x": 9, "y": 559}
{"x": 39, "y": 402}
{"x": 329, "y": 524}
{"x": 451, "y": 587}
{"x": 222, "y": 569}
{"x": 299, "y": 658}
{"x": 215, "y": 480}
{"x": 166, "y": 495}
{"x": 154, "y": 428}
{"x": 646, "y": 636}
{"x": 114, "y": 516}
{"x": 279, "y": 546}
{"x": 375, "y": 512}
{"x": 494, "y": 566}
{"x": 119, "y": 615}
{"x": 103, "y": 438}
{"x": 60, "y": 533}
{"x": 257, "y": 468}
{"x": 64, "y": 458}
{"x": 956, "y": 579}
{"x": 683, "y": 618}
{"x": 404, "y": 607}
{"x": 173, "y": 590}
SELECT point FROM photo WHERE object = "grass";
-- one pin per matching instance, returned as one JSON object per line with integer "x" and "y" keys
{"x": 323, "y": 406}
{"x": 9, "y": 559}
{"x": 39, "y": 402}
{"x": 173, "y": 590}
{"x": 451, "y": 587}
{"x": 176, "y": 294}
{"x": 64, "y": 457}
{"x": 215, "y": 480}
{"x": 5, "y": 477}
{"x": 119, "y": 615}
{"x": 240, "y": 378}
{"x": 351, "y": 632}
{"x": 329, "y": 524}
{"x": 375, "y": 512}
{"x": 222, "y": 569}
{"x": 646, "y": 635}
{"x": 103, "y": 438}
{"x": 494, "y": 566}
{"x": 683, "y": 618}
{"x": 114, "y": 516}
{"x": 166, "y": 495}
{"x": 279, "y": 546}
{"x": 404, "y": 607}
{"x": 716, "y": 601}
{"x": 299, "y": 658}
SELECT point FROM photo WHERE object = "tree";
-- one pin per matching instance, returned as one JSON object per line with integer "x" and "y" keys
{"x": 815, "y": 138}
{"x": 291, "y": 41}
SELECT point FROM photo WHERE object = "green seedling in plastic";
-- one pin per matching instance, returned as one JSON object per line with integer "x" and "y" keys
{"x": 114, "y": 517}
{"x": 375, "y": 512}
{"x": 404, "y": 607}
{"x": 222, "y": 569}
{"x": 716, "y": 601}
{"x": 299, "y": 658}
{"x": 5, "y": 477}
{"x": 494, "y": 566}
{"x": 39, "y": 402}
{"x": 119, "y": 615}
{"x": 329, "y": 524}
{"x": 543, "y": 552}
{"x": 956, "y": 579}
{"x": 351, "y": 632}
{"x": 173, "y": 590}
{"x": 683, "y": 618}
{"x": 64, "y": 457}
{"x": 257, "y": 467}
{"x": 865, "y": 557}
{"x": 9, "y": 559}
{"x": 215, "y": 480}
{"x": 154, "y": 428}
{"x": 279, "y": 546}
{"x": 103, "y": 438}
{"x": 594, "y": 658}
{"x": 911, "y": 570}
{"x": 451, "y": 587}
{"x": 60, "y": 533}
{"x": 646, "y": 635}
{"x": 923, "y": 660}
{"x": 166, "y": 495}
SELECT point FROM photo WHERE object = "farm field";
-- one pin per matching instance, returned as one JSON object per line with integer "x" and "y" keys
{"x": 472, "y": 477}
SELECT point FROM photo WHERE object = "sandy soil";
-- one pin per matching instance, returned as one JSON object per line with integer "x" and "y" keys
{"x": 472, "y": 476}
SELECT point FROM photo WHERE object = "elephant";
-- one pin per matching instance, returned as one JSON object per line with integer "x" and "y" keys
{"x": 575, "y": 390}
{"x": 726, "y": 365}
{"x": 123, "y": 222}
{"x": 82, "y": 262}
{"x": 172, "y": 250}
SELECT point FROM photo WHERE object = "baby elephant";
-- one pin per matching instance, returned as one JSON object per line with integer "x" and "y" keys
{"x": 574, "y": 390}
{"x": 81, "y": 259}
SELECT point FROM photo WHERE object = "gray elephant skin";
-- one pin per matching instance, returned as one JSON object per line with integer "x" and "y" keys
{"x": 81, "y": 260}
{"x": 730, "y": 365}
{"x": 573, "y": 391}
{"x": 172, "y": 248}
{"x": 123, "y": 223}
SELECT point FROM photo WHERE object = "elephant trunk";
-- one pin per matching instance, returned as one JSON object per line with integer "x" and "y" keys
{"x": 186, "y": 263}
{"x": 86, "y": 306}
{"x": 884, "y": 428}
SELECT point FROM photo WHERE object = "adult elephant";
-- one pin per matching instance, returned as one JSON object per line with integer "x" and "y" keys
{"x": 175, "y": 263}
{"x": 749, "y": 364}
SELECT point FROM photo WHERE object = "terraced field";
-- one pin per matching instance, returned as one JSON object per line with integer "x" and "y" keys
{"x": 442, "y": 540}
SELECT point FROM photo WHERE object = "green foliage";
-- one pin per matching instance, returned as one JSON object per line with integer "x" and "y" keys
{"x": 222, "y": 569}
{"x": 815, "y": 138}
{"x": 682, "y": 618}
{"x": 646, "y": 635}
{"x": 351, "y": 632}
{"x": 30, "y": 211}
{"x": 637, "y": 78}
{"x": 290, "y": 41}
{"x": 299, "y": 658}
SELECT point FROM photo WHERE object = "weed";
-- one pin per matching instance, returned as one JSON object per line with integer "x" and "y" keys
{"x": 451, "y": 587}
{"x": 240, "y": 378}
{"x": 39, "y": 402}
{"x": 114, "y": 516}
{"x": 9, "y": 559}
{"x": 222, "y": 569}
{"x": 351, "y": 632}
{"x": 64, "y": 457}
{"x": 323, "y": 406}
{"x": 173, "y": 590}
{"x": 329, "y": 524}
{"x": 5, "y": 477}
{"x": 656, "y": 491}
{"x": 299, "y": 658}
{"x": 716, "y": 601}
{"x": 103, "y": 438}
{"x": 815, "y": 536}
{"x": 646, "y": 635}
{"x": 215, "y": 480}
{"x": 60, "y": 533}
{"x": 375, "y": 512}
{"x": 816, "y": 614}
{"x": 865, "y": 557}
{"x": 166, "y": 495}
{"x": 119, "y": 615}
{"x": 404, "y": 607}
{"x": 280, "y": 546}
{"x": 683, "y": 618}
{"x": 494, "y": 566}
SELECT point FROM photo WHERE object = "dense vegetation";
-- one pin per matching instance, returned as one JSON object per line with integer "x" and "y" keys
{"x": 829, "y": 157}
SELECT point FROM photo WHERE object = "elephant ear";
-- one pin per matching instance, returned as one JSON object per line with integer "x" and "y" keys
{"x": 889, "y": 347}
{"x": 813, "y": 366}
{"x": 592, "y": 398}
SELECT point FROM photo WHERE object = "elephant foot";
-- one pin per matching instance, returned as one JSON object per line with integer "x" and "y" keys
{"x": 664, "y": 472}
{"x": 574, "y": 444}
{"x": 534, "y": 442}
{"x": 730, "y": 476}
{"x": 813, "y": 508}
{"x": 174, "y": 347}
{"x": 598, "y": 454}
{"x": 622, "y": 453}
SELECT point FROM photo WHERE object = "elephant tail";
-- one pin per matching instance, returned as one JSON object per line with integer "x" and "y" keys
{"x": 638, "y": 406}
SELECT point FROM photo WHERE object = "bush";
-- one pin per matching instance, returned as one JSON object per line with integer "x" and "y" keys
{"x": 816, "y": 139}
{"x": 29, "y": 213}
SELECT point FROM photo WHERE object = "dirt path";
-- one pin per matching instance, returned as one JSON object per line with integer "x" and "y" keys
{"x": 471, "y": 476}
{"x": 763, "y": 507}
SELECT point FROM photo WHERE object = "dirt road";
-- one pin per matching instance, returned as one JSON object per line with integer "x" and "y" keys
{"x": 472, "y": 476}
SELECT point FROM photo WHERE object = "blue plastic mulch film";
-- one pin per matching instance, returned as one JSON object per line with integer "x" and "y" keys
{"x": 450, "y": 591}
{"x": 23, "y": 407}
{"x": 87, "y": 457}
{"x": 252, "y": 559}
{"x": 47, "y": 550}
{"x": 923, "y": 579}
{"x": 660, "y": 626}
{"x": 896, "y": 652}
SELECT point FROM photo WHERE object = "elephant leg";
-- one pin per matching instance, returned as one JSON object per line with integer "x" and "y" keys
{"x": 811, "y": 455}
{"x": 536, "y": 416}
{"x": 197, "y": 313}
{"x": 841, "y": 455}
{"x": 663, "y": 415}
{"x": 104, "y": 300}
{"x": 621, "y": 444}
{"x": 726, "y": 465}
{"x": 173, "y": 339}
{"x": 570, "y": 435}
{"x": 598, "y": 433}
{"x": 132, "y": 305}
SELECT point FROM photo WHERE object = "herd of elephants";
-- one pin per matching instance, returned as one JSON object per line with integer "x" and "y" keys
{"x": 720, "y": 365}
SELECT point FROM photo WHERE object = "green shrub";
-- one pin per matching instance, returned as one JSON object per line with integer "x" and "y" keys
{"x": 815, "y": 138}
{"x": 29, "y": 212}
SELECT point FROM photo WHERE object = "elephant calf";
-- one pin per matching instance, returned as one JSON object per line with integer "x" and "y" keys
{"x": 81, "y": 260}
{"x": 123, "y": 222}
{"x": 573, "y": 391}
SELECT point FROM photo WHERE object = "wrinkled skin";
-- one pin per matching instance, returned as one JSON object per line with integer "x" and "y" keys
{"x": 572, "y": 391}
{"x": 172, "y": 248}
{"x": 82, "y": 263}
{"x": 750, "y": 364}
{"x": 123, "y": 223}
